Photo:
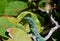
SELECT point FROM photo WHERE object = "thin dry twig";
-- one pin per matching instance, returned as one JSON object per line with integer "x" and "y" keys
{"x": 52, "y": 29}
{"x": 41, "y": 9}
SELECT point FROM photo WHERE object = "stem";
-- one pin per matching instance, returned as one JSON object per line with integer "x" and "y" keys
{"x": 52, "y": 29}
{"x": 41, "y": 9}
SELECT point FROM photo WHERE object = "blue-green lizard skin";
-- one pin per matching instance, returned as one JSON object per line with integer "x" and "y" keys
{"x": 33, "y": 29}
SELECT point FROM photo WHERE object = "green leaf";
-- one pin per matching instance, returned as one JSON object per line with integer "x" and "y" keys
{"x": 41, "y": 19}
{"x": 26, "y": 25}
{"x": 37, "y": 22}
{"x": 24, "y": 0}
{"x": 5, "y": 22}
{"x": 3, "y": 4}
{"x": 3, "y": 31}
{"x": 20, "y": 26}
{"x": 4, "y": 25}
{"x": 11, "y": 0}
{"x": 58, "y": 14}
{"x": 15, "y": 7}
{"x": 42, "y": 3}
{"x": 54, "y": 39}
{"x": 18, "y": 35}
{"x": 33, "y": 16}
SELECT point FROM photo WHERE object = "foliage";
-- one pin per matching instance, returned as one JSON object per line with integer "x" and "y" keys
{"x": 15, "y": 7}
{"x": 14, "y": 26}
{"x": 3, "y": 4}
{"x": 21, "y": 35}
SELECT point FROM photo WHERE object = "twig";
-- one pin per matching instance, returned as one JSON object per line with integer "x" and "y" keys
{"x": 41, "y": 9}
{"x": 53, "y": 21}
{"x": 52, "y": 29}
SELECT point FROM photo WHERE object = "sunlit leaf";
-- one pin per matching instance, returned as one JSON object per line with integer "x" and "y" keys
{"x": 26, "y": 27}
{"x": 15, "y": 7}
{"x": 54, "y": 39}
{"x": 33, "y": 16}
{"x": 18, "y": 34}
{"x": 5, "y": 22}
{"x": 4, "y": 25}
{"x": 12, "y": 19}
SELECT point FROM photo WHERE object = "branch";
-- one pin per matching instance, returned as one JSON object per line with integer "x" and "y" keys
{"x": 52, "y": 29}
{"x": 43, "y": 10}
{"x": 53, "y": 21}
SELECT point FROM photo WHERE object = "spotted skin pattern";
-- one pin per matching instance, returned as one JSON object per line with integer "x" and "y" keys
{"x": 34, "y": 29}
